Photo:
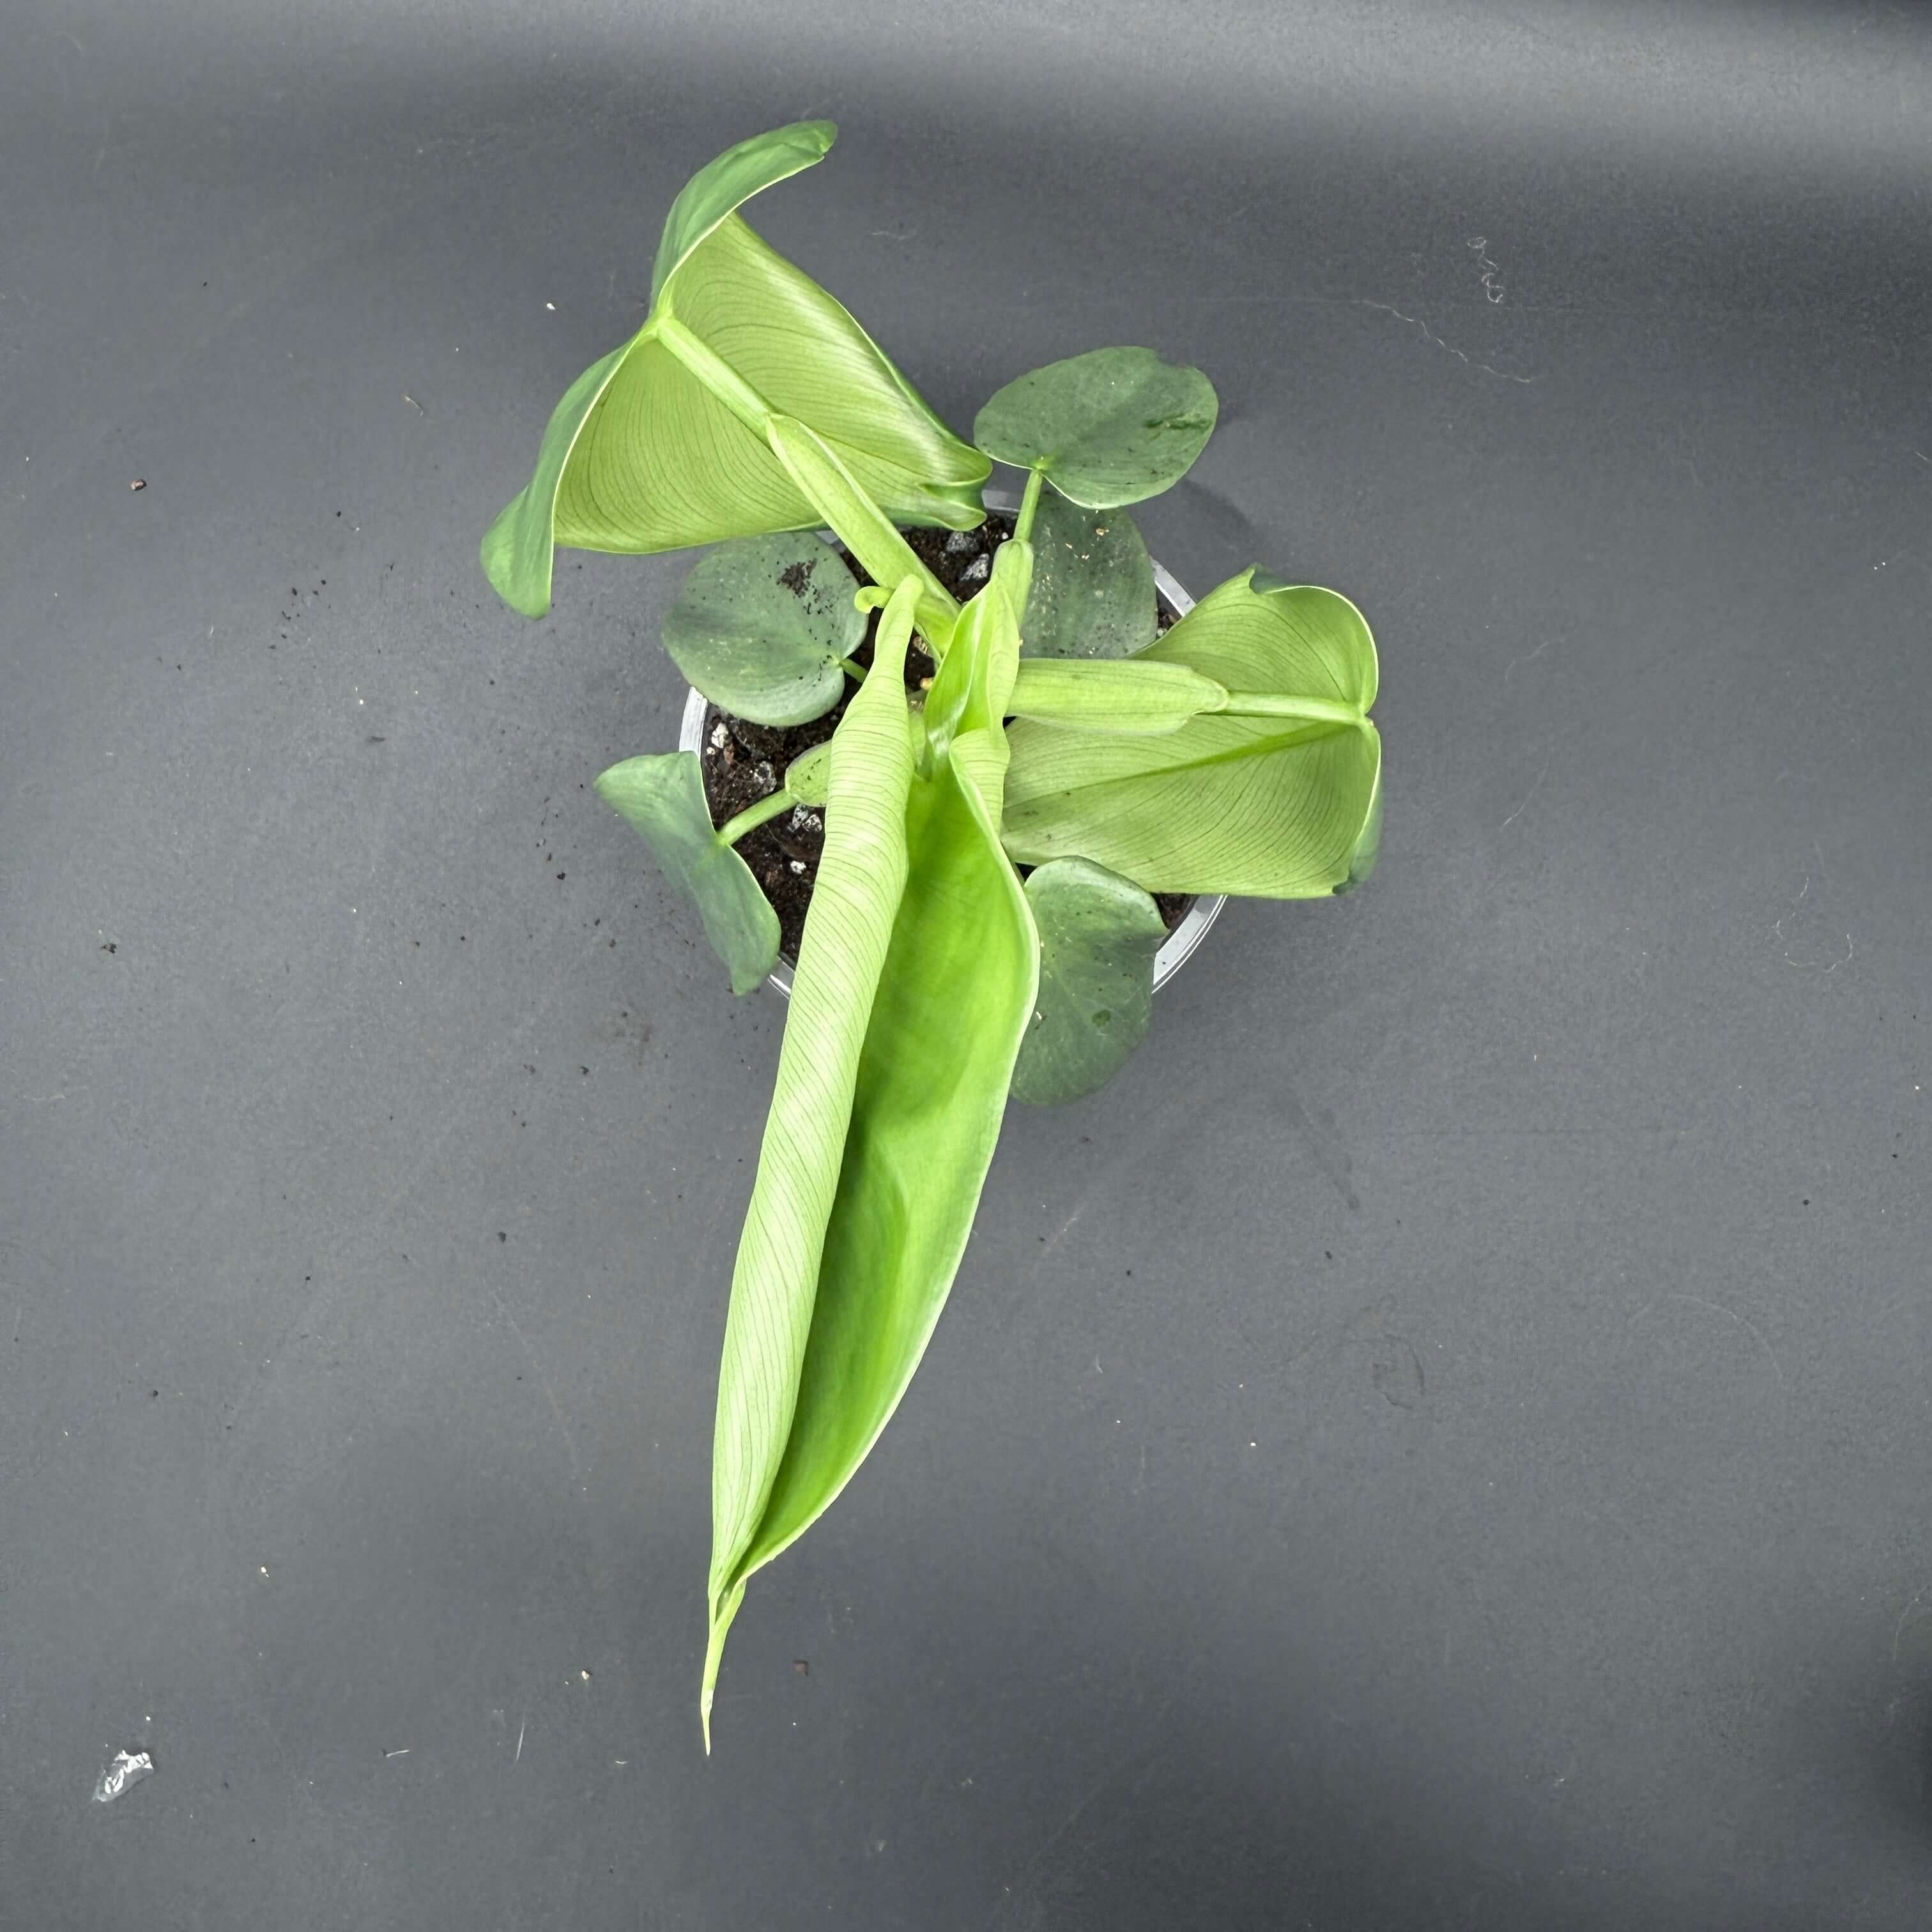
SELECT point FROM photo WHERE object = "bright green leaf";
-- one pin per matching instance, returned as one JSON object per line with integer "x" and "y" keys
{"x": 663, "y": 798}
{"x": 1362, "y": 861}
{"x": 971, "y": 696}
{"x": 762, "y": 627}
{"x": 1137, "y": 696}
{"x": 820, "y": 473}
{"x": 642, "y": 455}
{"x": 1093, "y": 583}
{"x": 1268, "y": 797}
{"x": 1112, "y": 426}
{"x": 809, "y": 774}
{"x": 1098, "y": 936}
{"x": 728, "y": 183}
{"x": 852, "y": 1242}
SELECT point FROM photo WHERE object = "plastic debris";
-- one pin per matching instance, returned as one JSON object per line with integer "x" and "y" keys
{"x": 127, "y": 1770}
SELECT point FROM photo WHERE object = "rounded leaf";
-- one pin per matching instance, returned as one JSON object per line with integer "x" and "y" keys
{"x": 762, "y": 624}
{"x": 1098, "y": 935}
{"x": 663, "y": 799}
{"x": 1113, "y": 426}
{"x": 1092, "y": 593}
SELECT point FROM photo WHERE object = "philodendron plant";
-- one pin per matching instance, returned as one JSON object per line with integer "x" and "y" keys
{"x": 981, "y": 921}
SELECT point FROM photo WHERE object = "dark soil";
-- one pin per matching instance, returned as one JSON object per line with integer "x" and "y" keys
{"x": 743, "y": 763}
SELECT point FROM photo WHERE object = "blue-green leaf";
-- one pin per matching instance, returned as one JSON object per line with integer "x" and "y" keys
{"x": 663, "y": 798}
{"x": 1093, "y": 592}
{"x": 763, "y": 626}
{"x": 1098, "y": 936}
{"x": 1113, "y": 426}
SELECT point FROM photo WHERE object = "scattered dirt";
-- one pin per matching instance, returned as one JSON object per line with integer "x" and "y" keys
{"x": 743, "y": 763}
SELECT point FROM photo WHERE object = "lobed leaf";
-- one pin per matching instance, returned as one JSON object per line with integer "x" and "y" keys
{"x": 645, "y": 455}
{"x": 1098, "y": 936}
{"x": 1093, "y": 592}
{"x": 726, "y": 184}
{"x": 1110, "y": 426}
{"x": 662, "y": 797}
{"x": 1269, "y": 797}
{"x": 762, "y": 627}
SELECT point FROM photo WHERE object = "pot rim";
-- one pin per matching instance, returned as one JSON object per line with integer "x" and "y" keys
{"x": 1178, "y": 946}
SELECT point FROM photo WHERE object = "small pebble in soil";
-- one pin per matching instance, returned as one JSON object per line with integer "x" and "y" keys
{"x": 960, "y": 542}
{"x": 718, "y": 735}
{"x": 977, "y": 571}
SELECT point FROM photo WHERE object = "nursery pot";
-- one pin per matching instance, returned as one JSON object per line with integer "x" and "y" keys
{"x": 1180, "y": 943}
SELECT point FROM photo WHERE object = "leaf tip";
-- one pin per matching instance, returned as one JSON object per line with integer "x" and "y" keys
{"x": 525, "y": 590}
{"x": 723, "y": 1609}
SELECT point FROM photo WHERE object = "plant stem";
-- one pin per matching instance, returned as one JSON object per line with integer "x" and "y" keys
{"x": 1314, "y": 710}
{"x": 851, "y": 515}
{"x": 714, "y": 372}
{"x": 753, "y": 816}
{"x": 855, "y": 670}
{"x": 1029, "y": 503}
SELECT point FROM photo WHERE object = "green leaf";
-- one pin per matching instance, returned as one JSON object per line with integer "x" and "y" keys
{"x": 1092, "y": 584}
{"x": 971, "y": 695}
{"x": 1362, "y": 862}
{"x": 808, "y": 776}
{"x": 1139, "y": 696}
{"x": 1110, "y": 426}
{"x": 1098, "y": 936}
{"x": 645, "y": 455}
{"x": 663, "y": 798}
{"x": 1269, "y": 796}
{"x": 814, "y": 465}
{"x": 730, "y": 180}
{"x": 898, "y": 1055}
{"x": 763, "y": 626}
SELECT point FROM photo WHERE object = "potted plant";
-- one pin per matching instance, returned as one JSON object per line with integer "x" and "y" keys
{"x": 998, "y": 759}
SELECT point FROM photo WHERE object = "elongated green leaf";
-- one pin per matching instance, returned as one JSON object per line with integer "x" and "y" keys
{"x": 971, "y": 696}
{"x": 643, "y": 454}
{"x": 1093, "y": 583}
{"x": 941, "y": 1032}
{"x": 762, "y": 627}
{"x": 1137, "y": 696}
{"x": 1098, "y": 935}
{"x": 1269, "y": 796}
{"x": 861, "y": 876}
{"x": 1112, "y": 426}
{"x": 663, "y": 798}
{"x": 728, "y": 183}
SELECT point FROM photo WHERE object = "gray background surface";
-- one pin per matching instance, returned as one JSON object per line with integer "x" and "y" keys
{"x": 1443, "y": 1443}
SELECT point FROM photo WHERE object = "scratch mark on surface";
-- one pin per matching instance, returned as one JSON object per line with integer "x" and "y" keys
{"x": 520, "y": 1730}
{"x": 1416, "y": 321}
{"x": 1921, "y": 456}
{"x": 893, "y": 234}
{"x": 1526, "y": 797}
{"x": 1492, "y": 278}
{"x": 1905, "y": 1617}
{"x": 1743, "y": 1321}
{"x": 403, "y": 1753}
{"x": 543, "y": 1382}
{"x": 1530, "y": 659}
{"x": 414, "y": 404}
{"x": 1114, "y": 1774}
